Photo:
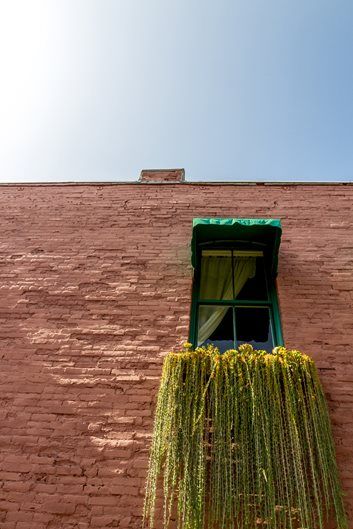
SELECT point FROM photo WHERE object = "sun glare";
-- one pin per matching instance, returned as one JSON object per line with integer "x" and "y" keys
{"x": 27, "y": 45}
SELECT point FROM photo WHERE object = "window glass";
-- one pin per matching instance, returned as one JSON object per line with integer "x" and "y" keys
{"x": 241, "y": 300}
{"x": 255, "y": 286}
{"x": 253, "y": 327}
{"x": 216, "y": 326}
{"x": 216, "y": 276}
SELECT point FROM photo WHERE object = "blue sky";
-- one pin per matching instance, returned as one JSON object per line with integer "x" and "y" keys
{"x": 230, "y": 90}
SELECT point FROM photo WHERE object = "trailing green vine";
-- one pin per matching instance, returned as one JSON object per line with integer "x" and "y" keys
{"x": 242, "y": 441}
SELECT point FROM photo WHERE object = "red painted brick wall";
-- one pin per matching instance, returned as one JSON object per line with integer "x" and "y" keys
{"x": 95, "y": 290}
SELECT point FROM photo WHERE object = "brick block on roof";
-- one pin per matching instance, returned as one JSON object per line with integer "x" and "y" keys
{"x": 149, "y": 176}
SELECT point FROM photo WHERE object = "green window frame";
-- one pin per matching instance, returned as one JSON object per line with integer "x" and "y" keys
{"x": 244, "y": 248}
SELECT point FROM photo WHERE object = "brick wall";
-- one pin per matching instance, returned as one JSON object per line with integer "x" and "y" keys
{"x": 95, "y": 290}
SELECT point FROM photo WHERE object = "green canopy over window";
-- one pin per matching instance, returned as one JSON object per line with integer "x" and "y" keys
{"x": 264, "y": 232}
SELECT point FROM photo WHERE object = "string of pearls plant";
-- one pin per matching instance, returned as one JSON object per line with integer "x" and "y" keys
{"x": 242, "y": 441}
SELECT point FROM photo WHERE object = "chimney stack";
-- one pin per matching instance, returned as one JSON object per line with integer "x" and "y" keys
{"x": 162, "y": 176}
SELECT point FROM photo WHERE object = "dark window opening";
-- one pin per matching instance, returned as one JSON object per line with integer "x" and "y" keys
{"x": 253, "y": 326}
{"x": 255, "y": 287}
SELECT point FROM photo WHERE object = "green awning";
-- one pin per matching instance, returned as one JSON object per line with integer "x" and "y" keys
{"x": 266, "y": 232}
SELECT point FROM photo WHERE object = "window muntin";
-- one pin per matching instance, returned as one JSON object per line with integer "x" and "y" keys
{"x": 235, "y": 300}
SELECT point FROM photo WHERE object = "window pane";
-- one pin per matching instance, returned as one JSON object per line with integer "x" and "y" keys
{"x": 216, "y": 326}
{"x": 253, "y": 327}
{"x": 216, "y": 276}
{"x": 249, "y": 276}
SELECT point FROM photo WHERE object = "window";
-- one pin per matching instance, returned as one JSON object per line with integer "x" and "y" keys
{"x": 234, "y": 294}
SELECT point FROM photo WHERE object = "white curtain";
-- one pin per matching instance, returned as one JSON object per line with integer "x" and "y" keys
{"x": 216, "y": 283}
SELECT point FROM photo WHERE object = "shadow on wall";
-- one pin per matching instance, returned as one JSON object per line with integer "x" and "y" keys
{"x": 76, "y": 420}
{"x": 86, "y": 311}
{"x": 80, "y": 367}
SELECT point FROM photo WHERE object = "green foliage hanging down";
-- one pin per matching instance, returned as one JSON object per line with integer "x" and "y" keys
{"x": 242, "y": 441}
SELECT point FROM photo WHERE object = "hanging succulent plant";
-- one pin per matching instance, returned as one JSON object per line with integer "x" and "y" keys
{"x": 242, "y": 441}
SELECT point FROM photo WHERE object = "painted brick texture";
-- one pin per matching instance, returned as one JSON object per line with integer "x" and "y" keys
{"x": 95, "y": 289}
